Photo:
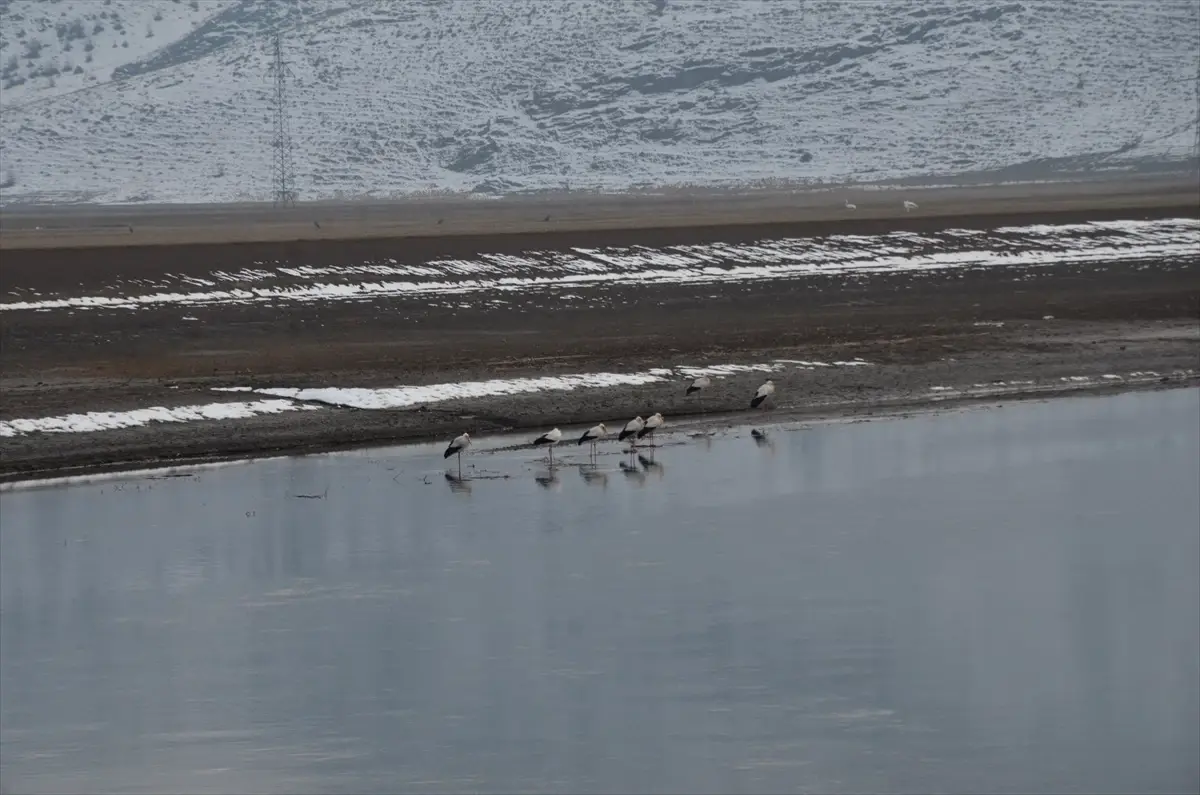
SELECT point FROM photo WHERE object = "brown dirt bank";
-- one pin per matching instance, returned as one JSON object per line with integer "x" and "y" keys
{"x": 903, "y": 374}
{"x": 333, "y": 222}
{"x": 938, "y": 328}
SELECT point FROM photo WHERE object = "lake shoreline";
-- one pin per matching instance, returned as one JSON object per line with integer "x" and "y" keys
{"x": 1031, "y": 289}
{"x": 165, "y": 446}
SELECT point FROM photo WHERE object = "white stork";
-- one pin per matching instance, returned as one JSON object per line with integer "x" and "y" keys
{"x": 653, "y": 423}
{"x": 594, "y": 435}
{"x": 850, "y": 206}
{"x": 698, "y": 384}
{"x": 631, "y": 429}
{"x": 457, "y": 445}
{"x": 909, "y": 206}
{"x": 549, "y": 438}
{"x": 762, "y": 393}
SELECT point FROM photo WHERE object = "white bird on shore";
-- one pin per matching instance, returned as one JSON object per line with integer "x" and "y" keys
{"x": 762, "y": 393}
{"x": 457, "y": 445}
{"x": 698, "y": 384}
{"x": 594, "y": 435}
{"x": 549, "y": 438}
{"x": 850, "y": 206}
{"x": 653, "y": 423}
{"x": 909, "y": 206}
{"x": 631, "y": 429}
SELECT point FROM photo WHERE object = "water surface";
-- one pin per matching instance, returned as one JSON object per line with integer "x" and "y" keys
{"x": 1002, "y": 599}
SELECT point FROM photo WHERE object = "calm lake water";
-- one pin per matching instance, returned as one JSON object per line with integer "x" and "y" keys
{"x": 993, "y": 600}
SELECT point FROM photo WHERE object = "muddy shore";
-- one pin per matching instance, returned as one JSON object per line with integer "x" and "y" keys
{"x": 929, "y": 337}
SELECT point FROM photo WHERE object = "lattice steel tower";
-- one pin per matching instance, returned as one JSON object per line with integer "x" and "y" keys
{"x": 283, "y": 174}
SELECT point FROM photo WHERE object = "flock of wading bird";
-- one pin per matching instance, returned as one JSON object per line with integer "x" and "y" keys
{"x": 634, "y": 430}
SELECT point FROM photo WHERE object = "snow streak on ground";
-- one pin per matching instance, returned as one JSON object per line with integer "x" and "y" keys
{"x": 112, "y": 420}
{"x": 489, "y": 278}
{"x": 164, "y": 101}
{"x": 391, "y": 398}
{"x": 290, "y": 399}
{"x": 405, "y": 396}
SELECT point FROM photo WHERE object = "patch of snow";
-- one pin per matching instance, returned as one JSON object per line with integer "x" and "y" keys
{"x": 791, "y": 258}
{"x": 111, "y": 420}
{"x": 405, "y": 396}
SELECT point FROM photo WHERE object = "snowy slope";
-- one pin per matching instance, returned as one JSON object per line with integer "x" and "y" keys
{"x": 492, "y": 96}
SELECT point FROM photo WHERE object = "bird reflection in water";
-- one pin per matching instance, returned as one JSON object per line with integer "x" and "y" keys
{"x": 631, "y": 471}
{"x": 458, "y": 483}
{"x": 762, "y": 440}
{"x": 548, "y": 479}
{"x": 650, "y": 465}
{"x": 593, "y": 476}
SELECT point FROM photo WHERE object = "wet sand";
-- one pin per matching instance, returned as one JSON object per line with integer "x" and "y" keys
{"x": 957, "y": 330}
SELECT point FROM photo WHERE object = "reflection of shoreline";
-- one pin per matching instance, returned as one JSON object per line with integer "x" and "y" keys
{"x": 698, "y": 428}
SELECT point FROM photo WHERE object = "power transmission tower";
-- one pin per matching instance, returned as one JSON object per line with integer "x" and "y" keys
{"x": 283, "y": 175}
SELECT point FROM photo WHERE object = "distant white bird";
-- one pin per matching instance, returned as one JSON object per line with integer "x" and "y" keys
{"x": 631, "y": 429}
{"x": 549, "y": 438}
{"x": 594, "y": 435}
{"x": 699, "y": 383}
{"x": 456, "y": 447}
{"x": 909, "y": 206}
{"x": 850, "y": 206}
{"x": 763, "y": 392}
{"x": 653, "y": 423}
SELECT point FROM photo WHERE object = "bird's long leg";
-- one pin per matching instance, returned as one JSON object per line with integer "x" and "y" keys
{"x": 460, "y": 464}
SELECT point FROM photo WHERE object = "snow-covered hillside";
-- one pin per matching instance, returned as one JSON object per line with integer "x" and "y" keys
{"x": 171, "y": 100}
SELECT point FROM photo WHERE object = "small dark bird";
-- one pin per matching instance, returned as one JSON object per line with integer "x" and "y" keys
{"x": 318, "y": 226}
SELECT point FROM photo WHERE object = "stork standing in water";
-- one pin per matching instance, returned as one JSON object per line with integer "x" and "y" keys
{"x": 698, "y": 384}
{"x": 594, "y": 435}
{"x": 630, "y": 431}
{"x": 456, "y": 447}
{"x": 909, "y": 206}
{"x": 762, "y": 393}
{"x": 549, "y": 438}
{"x": 653, "y": 423}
